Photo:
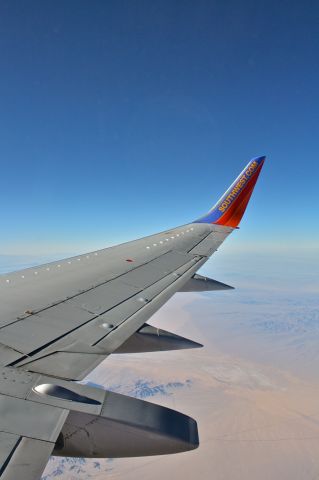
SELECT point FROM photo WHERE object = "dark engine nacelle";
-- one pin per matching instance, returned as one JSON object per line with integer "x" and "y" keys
{"x": 126, "y": 427}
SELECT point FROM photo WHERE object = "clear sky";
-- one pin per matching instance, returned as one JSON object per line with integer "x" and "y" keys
{"x": 122, "y": 118}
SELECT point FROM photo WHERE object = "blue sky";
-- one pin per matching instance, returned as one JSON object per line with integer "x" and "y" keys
{"x": 122, "y": 118}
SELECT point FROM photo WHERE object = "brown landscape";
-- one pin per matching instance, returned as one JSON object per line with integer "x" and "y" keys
{"x": 257, "y": 412}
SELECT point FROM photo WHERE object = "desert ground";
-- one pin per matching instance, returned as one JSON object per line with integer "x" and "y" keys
{"x": 253, "y": 388}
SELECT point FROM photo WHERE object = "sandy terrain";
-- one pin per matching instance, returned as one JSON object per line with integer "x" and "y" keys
{"x": 256, "y": 419}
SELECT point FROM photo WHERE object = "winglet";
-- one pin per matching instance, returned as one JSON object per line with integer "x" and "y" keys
{"x": 231, "y": 207}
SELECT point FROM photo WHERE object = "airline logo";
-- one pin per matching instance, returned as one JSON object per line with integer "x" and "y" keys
{"x": 238, "y": 187}
{"x": 232, "y": 205}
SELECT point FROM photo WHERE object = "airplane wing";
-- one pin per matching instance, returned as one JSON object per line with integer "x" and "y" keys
{"x": 58, "y": 321}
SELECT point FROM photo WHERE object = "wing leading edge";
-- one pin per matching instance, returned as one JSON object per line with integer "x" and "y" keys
{"x": 58, "y": 321}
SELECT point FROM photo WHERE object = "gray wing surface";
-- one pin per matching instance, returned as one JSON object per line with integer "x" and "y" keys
{"x": 60, "y": 320}
{"x": 64, "y": 318}
{"x": 18, "y": 456}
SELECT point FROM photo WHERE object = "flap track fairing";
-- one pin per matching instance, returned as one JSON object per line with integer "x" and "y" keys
{"x": 198, "y": 283}
{"x": 151, "y": 339}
